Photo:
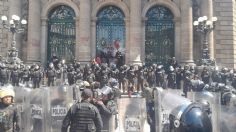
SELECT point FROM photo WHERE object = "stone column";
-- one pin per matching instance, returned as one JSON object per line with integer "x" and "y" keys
{"x": 44, "y": 27}
{"x": 93, "y": 38}
{"x": 207, "y": 10}
{"x": 177, "y": 39}
{"x": 84, "y": 49}
{"x": 34, "y": 32}
{"x": 15, "y": 9}
{"x": 135, "y": 32}
{"x": 127, "y": 41}
{"x": 186, "y": 32}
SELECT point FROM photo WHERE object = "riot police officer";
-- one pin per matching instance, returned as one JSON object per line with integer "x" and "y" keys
{"x": 55, "y": 60}
{"x": 3, "y": 74}
{"x": 234, "y": 81}
{"x": 71, "y": 74}
{"x": 15, "y": 76}
{"x": 36, "y": 76}
{"x": 171, "y": 78}
{"x": 160, "y": 76}
{"x": 107, "y": 106}
{"x": 51, "y": 74}
{"x": 9, "y": 116}
{"x": 205, "y": 75}
{"x": 228, "y": 111}
{"x": 224, "y": 75}
{"x": 187, "y": 83}
{"x": 122, "y": 78}
{"x": 83, "y": 116}
{"x": 140, "y": 78}
{"x": 147, "y": 93}
{"x": 25, "y": 75}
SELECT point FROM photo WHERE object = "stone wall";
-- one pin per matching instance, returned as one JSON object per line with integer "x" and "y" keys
{"x": 4, "y": 10}
{"x": 234, "y": 32}
{"x": 224, "y": 34}
{"x": 224, "y": 38}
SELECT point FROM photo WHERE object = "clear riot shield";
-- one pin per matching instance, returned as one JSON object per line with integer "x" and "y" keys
{"x": 22, "y": 101}
{"x": 164, "y": 102}
{"x": 213, "y": 101}
{"x": 228, "y": 114}
{"x": 132, "y": 115}
{"x": 60, "y": 101}
{"x": 76, "y": 93}
{"x": 37, "y": 110}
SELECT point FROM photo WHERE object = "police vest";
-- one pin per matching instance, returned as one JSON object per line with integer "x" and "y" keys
{"x": 7, "y": 118}
{"x": 82, "y": 117}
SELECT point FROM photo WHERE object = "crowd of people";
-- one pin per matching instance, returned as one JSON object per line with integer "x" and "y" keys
{"x": 131, "y": 78}
{"x": 126, "y": 79}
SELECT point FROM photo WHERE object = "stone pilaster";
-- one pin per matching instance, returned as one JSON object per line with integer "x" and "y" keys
{"x": 224, "y": 33}
{"x": 135, "y": 32}
{"x": 186, "y": 32}
{"x": 234, "y": 31}
{"x": 207, "y": 10}
{"x": 84, "y": 46}
{"x": 4, "y": 11}
{"x": 34, "y": 32}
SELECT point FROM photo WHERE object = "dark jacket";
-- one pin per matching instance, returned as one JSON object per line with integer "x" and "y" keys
{"x": 9, "y": 118}
{"x": 82, "y": 117}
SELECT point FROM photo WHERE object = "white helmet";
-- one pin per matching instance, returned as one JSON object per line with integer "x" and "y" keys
{"x": 6, "y": 92}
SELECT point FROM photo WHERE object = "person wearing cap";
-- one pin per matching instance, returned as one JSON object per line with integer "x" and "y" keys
{"x": 83, "y": 116}
{"x": 9, "y": 116}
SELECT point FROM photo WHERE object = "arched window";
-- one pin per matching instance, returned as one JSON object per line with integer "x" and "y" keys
{"x": 61, "y": 33}
{"x": 110, "y": 35}
{"x": 159, "y": 35}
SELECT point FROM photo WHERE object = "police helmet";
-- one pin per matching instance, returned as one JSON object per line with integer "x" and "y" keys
{"x": 4, "y": 65}
{"x": 113, "y": 82}
{"x": 201, "y": 85}
{"x": 206, "y": 105}
{"x": 159, "y": 67}
{"x": 51, "y": 65}
{"x": 86, "y": 84}
{"x": 172, "y": 68}
{"x": 190, "y": 118}
{"x": 4, "y": 92}
{"x": 37, "y": 67}
{"x": 113, "y": 66}
{"x": 106, "y": 90}
{"x": 227, "y": 98}
{"x": 63, "y": 61}
{"x": 62, "y": 88}
{"x": 224, "y": 69}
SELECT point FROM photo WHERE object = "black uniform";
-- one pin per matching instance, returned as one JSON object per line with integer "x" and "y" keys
{"x": 51, "y": 74}
{"x": 4, "y": 76}
{"x": 83, "y": 117}
{"x": 9, "y": 118}
{"x": 36, "y": 77}
{"x": 205, "y": 75}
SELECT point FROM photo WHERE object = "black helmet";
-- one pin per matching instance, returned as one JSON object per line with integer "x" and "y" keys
{"x": 227, "y": 98}
{"x": 206, "y": 105}
{"x": 113, "y": 82}
{"x": 190, "y": 118}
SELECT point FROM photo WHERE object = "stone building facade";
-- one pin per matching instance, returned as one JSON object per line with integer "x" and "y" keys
{"x": 33, "y": 44}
